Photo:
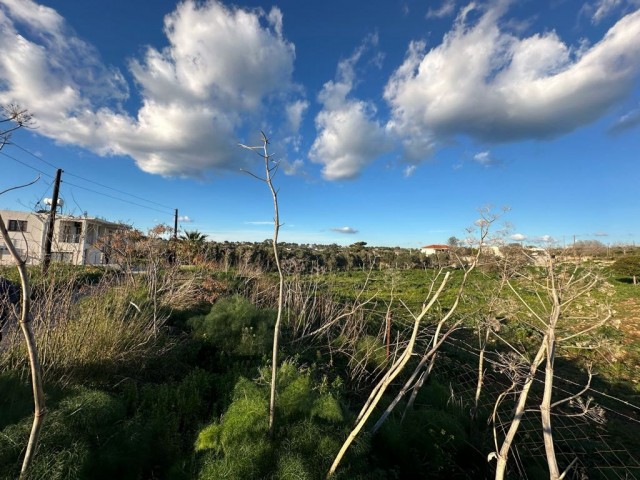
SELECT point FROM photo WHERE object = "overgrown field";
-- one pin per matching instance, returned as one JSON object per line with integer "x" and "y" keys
{"x": 165, "y": 374}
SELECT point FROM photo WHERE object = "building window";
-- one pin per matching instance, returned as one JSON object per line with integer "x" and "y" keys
{"x": 17, "y": 226}
{"x": 62, "y": 257}
{"x": 71, "y": 232}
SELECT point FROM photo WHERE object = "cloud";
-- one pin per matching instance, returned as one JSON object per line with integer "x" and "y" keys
{"x": 185, "y": 219}
{"x": 600, "y": 9}
{"x": 349, "y": 137}
{"x": 409, "y": 170}
{"x": 259, "y": 223}
{"x": 491, "y": 85}
{"x": 447, "y": 8}
{"x": 295, "y": 113}
{"x": 486, "y": 159}
{"x": 545, "y": 239}
{"x": 347, "y": 230}
{"x": 601, "y": 234}
{"x": 603, "y": 8}
{"x": 220, "y": 68}
{"x": 518, "y": 237}
{"x": 626, "y": 122}
{"x": 294, "y": 167}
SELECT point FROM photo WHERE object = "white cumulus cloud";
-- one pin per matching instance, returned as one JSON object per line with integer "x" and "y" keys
{"x": 349, "y": 137}
{"x": 518, "y": 237}
{"x": 221, "y": 65}
{"x": 489, "y": 84}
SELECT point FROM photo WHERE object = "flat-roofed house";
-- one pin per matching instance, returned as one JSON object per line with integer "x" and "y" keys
{"x": 431, "y": 249}
{"x": 76, "y": 240}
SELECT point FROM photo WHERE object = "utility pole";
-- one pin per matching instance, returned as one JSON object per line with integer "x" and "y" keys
{"x": 173, "y": 250}
{"x": 52, "y": 220}
{"x": 175, "y": 225}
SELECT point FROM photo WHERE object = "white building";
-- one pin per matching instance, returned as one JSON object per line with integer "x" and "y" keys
{"x": 431, "y": 249}
{"x": 76, "y": 240}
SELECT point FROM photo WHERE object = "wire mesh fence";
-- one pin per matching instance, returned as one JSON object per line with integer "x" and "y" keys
{"x": 596, "y": 435}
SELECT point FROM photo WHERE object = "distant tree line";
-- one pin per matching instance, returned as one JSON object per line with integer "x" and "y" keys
{"x": 309, "y": 258}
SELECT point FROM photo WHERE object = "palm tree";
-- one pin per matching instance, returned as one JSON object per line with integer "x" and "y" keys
{"x": 194, "y": 236}
{"x": 193, "y": 244}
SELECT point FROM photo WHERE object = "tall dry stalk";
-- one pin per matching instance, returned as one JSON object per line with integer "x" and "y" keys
{"x": 27, "y": 330}
{"x": 271, "y": 169}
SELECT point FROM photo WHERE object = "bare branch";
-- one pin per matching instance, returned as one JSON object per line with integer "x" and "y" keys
{"x": 20, "y": 186}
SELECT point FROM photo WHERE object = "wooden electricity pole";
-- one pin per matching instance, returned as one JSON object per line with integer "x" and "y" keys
{"x": 46, "y": 260}
{"x": 175, "y": 225}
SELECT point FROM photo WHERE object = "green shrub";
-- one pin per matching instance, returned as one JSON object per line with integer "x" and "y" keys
{"x": 370, "y": 351}
{"x": 139, "y": 433}
{"x": 236, "y": 327}
{"x": 310, "y": 428}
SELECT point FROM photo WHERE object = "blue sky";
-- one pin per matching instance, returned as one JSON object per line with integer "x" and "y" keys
{"x": 394, "y": 121}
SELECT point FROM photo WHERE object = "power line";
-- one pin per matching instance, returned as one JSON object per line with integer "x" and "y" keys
{"x": 115, "y": 198}
{"x": 116, "y": 190}
{"x": 45, "y": 192}
{"x": 25, "y": 164}
{"x": 38, "y": 157}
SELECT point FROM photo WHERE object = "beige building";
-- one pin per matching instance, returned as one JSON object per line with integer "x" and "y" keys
{"x": 76, "y": 240}
{"x": 432, "y": 249}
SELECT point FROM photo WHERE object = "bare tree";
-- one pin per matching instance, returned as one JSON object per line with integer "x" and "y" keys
{"x": 442, "y": 331}
{"x": 271, "y": 168}
{"x": 14, "y": 118}
{"x": 562, "y": 311}
{"x": 392, "y": 373}
{"x": 440, "y": 335}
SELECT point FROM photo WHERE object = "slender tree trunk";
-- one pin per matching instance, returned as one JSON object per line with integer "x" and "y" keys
{"x": 416, "y": 388}
{"x": 378, "y": 391}
{"x": 34, "y": 363}
{"x": 270, "y": 171}
{"x": 545, "y": 406}
{"x": 480, "y": 373}
{"x": 545, "y": 410}
{"x": 276, "y": 330}
{"x": 503, "y": 454}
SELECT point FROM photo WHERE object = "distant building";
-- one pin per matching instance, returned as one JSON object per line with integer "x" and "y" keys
{"x": 76, "y": 240}
{"x": 431, "y": 249}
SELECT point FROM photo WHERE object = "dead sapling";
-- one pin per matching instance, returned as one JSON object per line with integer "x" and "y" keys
{"x": 271, "y": 168}
{"x": 562, "y": 296}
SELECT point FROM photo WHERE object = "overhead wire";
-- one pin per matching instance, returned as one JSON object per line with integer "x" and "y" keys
{"x": 114, "y": 197}
{"x": 38, "y": 157}
{"x": 26, "y": 164}
{"x": 67, "y": 173}
{"x": 45, "y": 192}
